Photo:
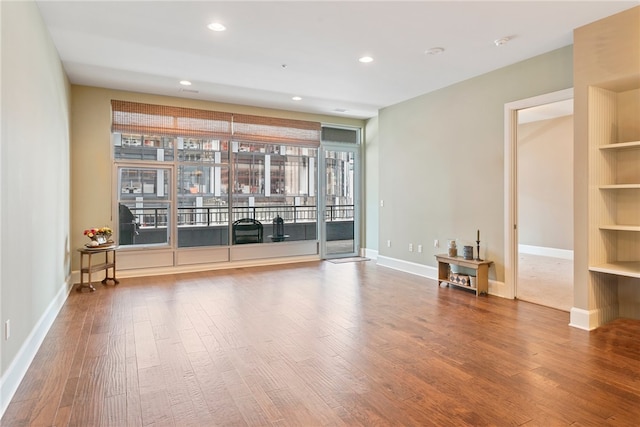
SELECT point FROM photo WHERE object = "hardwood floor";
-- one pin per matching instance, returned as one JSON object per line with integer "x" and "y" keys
{"x": 318, "y": 344}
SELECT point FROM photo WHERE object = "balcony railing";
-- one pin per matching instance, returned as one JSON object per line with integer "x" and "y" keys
{"x": 219, "y": 215}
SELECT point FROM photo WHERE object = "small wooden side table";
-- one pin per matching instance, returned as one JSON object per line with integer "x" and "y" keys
{"x": 90, "y": 267}
{"x": 481, "y": 267}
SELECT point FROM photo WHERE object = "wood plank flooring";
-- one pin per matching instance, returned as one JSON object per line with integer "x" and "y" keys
{"x": 322, "y": 344}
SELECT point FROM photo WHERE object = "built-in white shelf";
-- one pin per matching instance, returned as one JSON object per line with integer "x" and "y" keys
{"x": 620, "y": 268}
{"x": 613, "y": 169}
{"x": 620, "y": 227}
{"x": 621, "y": 145}
{"x": 619, "y": 186}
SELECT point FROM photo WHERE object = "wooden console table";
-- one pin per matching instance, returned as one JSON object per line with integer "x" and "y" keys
{"x": 481, "y": 268}
{"x": 90, "y": 267}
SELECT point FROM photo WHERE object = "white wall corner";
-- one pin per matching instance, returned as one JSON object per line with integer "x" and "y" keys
{"x": 18, "y": 368}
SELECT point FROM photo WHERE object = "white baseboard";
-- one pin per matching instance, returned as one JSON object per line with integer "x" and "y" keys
{"x": 542, "y": 251}
{"x": 195, "y": 268}
{"x": 579, "y": 318}
{"x": 409, "y": 267}
{"x": 499, "y": 289}
{"x": 18, "y": 368}
{"x": 496, "y": 288}
{"x": 589, "y": 320}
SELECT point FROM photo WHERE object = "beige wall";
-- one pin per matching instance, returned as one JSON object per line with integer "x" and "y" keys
{"x": 545, "y": 183}
{"x": 442, "y": 160}
{"x": 91, "y": 162}
{"x": 35, "y": 247}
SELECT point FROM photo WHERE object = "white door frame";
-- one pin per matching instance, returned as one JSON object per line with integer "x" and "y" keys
{"x": 322, "y": 191}
{"x": 511, "y": 181}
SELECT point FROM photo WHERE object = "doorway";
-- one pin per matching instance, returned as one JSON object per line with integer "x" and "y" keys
{"x": 340, "y": 211}
{"x": 539, "y": 199}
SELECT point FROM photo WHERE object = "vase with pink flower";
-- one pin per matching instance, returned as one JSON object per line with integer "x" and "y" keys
{"x": 99, "y": 236}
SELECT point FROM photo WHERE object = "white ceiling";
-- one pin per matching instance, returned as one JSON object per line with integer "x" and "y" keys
{"x": 273, "y": 50}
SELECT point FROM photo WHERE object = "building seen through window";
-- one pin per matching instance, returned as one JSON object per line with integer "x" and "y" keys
{"x": 268, "y": 181}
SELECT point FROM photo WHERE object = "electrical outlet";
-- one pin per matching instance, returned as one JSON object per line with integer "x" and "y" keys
{"x": 436, "y": 243}
{"x": 7, "y": 330}
{"x": 419, "y": 249}
{"x": 388, "y": 243}
{"x": 382, "y": 203}
{"x": 410, "y": 247}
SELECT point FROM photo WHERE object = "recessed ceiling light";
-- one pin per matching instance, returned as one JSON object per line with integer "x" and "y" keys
{"x": 366, "y": 59}
{"x": 501, "y": 41}
{"x": 216, "y": 26}
{"x": 434, "y": 51}
{"x": 185, "y": 82}
{"x": 296, "y": 98}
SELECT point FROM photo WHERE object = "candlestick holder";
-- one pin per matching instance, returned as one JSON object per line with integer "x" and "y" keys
{"x": 478, "y": 257}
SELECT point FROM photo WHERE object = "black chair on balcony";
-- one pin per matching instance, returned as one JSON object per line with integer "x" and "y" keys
{"x": 247, "y": 230}
{"x": 127, "y": 225}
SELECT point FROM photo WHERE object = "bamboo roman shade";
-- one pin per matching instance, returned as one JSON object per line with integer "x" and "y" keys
{"x": 275, "y": 130}
{"x": 149, "y": 119}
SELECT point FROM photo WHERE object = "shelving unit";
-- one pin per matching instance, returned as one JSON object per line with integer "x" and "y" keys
{"x": 614, "y": 173}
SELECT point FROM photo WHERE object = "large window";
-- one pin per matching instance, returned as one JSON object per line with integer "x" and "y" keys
{"x": 275, "y": 182}
{"x": 144, "y": 205}
{"x": 203, "y": 192}
{"x": 225, "y": 169}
